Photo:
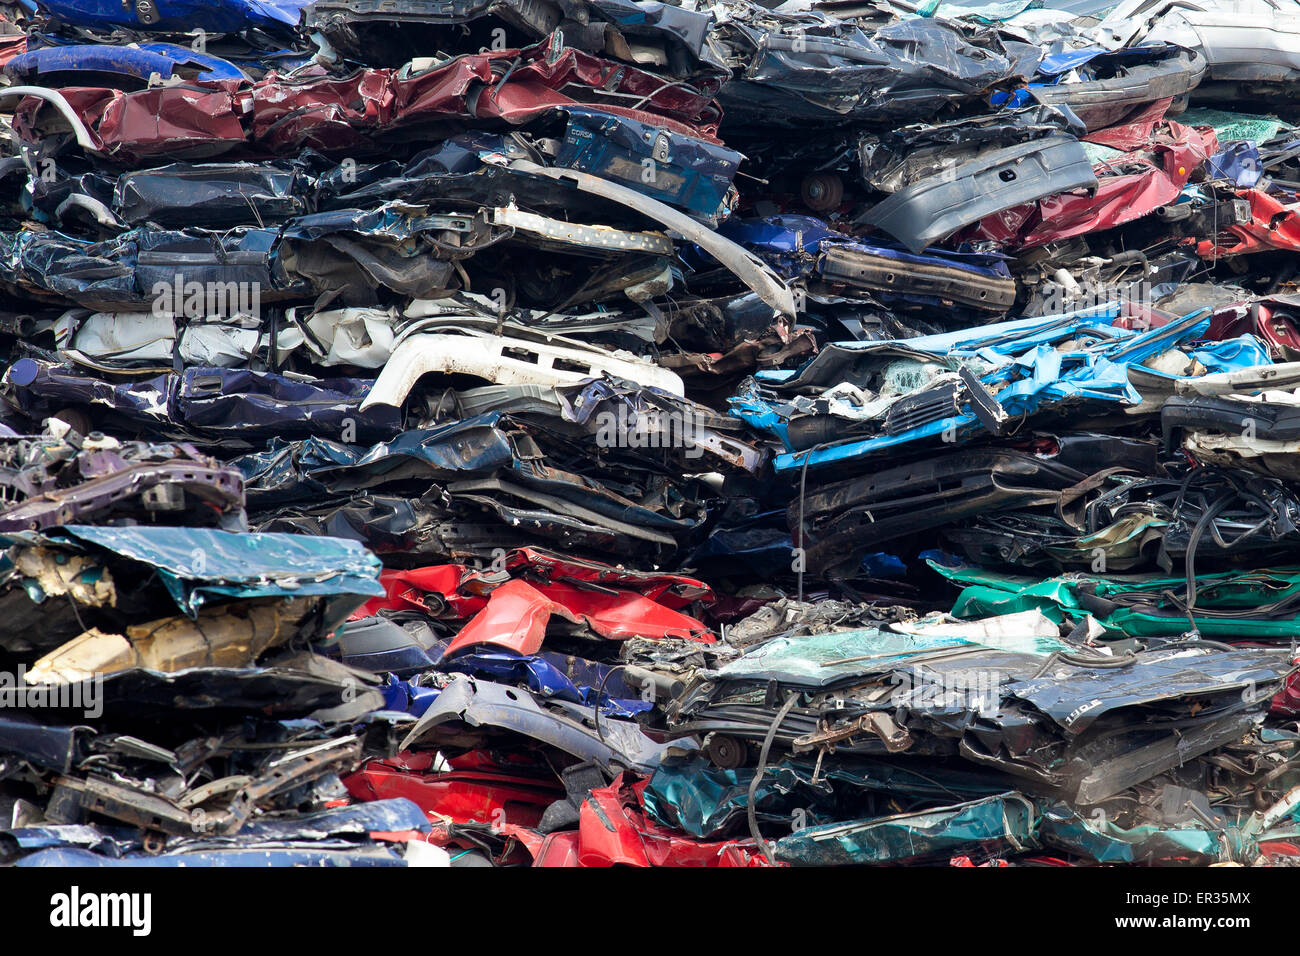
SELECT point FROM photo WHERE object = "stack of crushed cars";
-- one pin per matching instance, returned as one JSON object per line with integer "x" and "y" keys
{"x": 613, "y": 432}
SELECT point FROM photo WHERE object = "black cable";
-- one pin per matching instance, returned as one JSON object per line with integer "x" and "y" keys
{"x": 758, "y": 776}
{"x": 600, "y": 694}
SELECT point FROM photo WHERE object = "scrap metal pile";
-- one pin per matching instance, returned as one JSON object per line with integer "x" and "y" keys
{"x": 613, "y": 432}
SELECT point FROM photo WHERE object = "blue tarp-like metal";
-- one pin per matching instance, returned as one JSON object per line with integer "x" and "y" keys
{"x": 199, "y": 565}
